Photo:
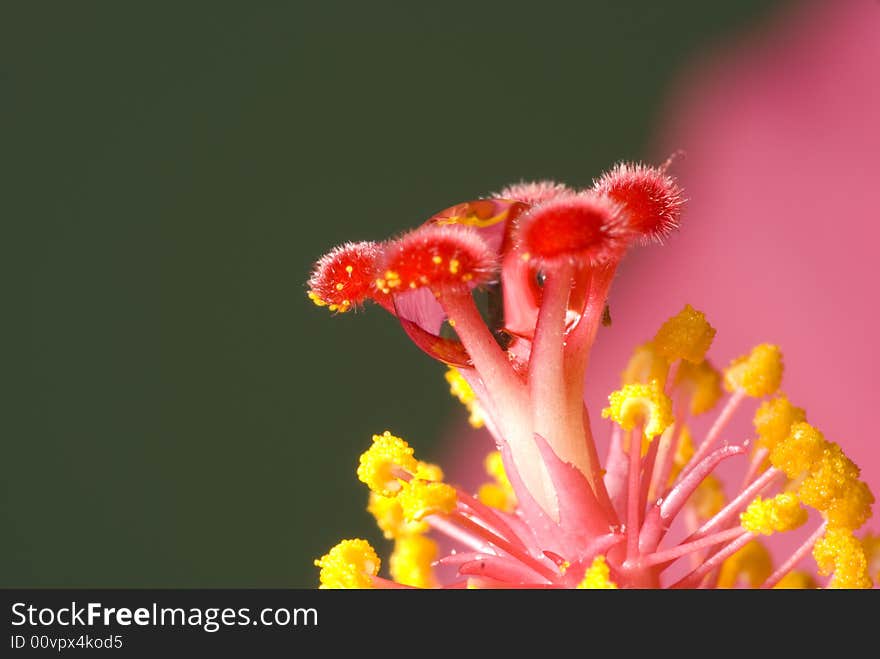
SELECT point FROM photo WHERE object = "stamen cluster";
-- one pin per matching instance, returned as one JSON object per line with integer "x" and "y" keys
{"x": 653, "y": 512}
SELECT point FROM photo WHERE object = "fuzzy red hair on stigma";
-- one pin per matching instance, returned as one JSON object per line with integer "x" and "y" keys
{"x": 343, "y": 278}
{"x": 652, "y": 198}
{"x": 533, "y": 192}
{"x": 435, "y": 256}
{"x": 581, "y": 226}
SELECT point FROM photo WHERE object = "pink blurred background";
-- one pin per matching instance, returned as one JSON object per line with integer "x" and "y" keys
{"x": 781, "y": 134}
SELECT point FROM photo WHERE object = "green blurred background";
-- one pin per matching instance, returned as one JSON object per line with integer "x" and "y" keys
{"x": 179, "y": 414}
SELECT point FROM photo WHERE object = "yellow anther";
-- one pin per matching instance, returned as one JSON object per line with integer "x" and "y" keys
{"x": 349, "y": 269}
{"x": 640, "y": 404}
{"x": 340, "y": 286}
{"x": 683, "y": 453}
{"x": 767, "y": 516}
{"x": 597, "y": 576}
{"x": 350, "y": 564}
{"x": 314, "y": 297}
{"x": 702, "y": 381}
{"x": 800, "y": 451}
{"x": 493, "y": 463}
{"x": 708, "y": 499}
{"x": 410, "y": 562}
{"x": 389, "y": 517}
{"x": 381, "y": 465}
{"x": 774, "y": 419}
{"x": 646, "y": 364}
{"x": 428, "y": 471}
{"x": 849, "y": 509}
{"x": 494, "y": 495}
{"x": 341, "y": 307}
{"x": 833, "y": 488}
{"x": 437, "y": 259}
{"x": 796, "y": 580}
{"x": 840, "y": 552}
{"x": 827, "y": 479}
{"x": 499, "y": 494}
{"x": 454, "y": 266}
{"x": 757, "y": 374}
{"x": 687, "y": 335}
{"x": 751, "y": 563}
{"x": 391, "y": 280}
{"x": 422, "y": 498}
{"x": 460, "y": 388}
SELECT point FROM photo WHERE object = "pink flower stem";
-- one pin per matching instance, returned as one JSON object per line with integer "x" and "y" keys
{"x": 715, "y": 431}
{"x": 647, "y": 472}
{"x": 616, "y": 468}
{"x": 578, "y": 344}
{"x": 600, "y": 486}
{"x": 691, "y": 522}
{"x": 666, "y": 453}
{"x": 757, "y": 460}
{"x": 507, "y": 394}
{"x": 489, "y": 359}
{"x": 518, "y": 290}
{"x": 602, "y": 544}
{"x": 739, "y": 502}
{"x": 795, "y": 558}
{"x": 660, "y": 516}
{"x": 693, "y": 578}
{"x": 505, "y": 546}
{"x": 632, "y": 496}
{"x": 725, "y": 517}
{"x": 689, "y": 547}
{"x": 485, "y": 513}
{"x": 548, "y": 382}
{"x": 446, "y": 527}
